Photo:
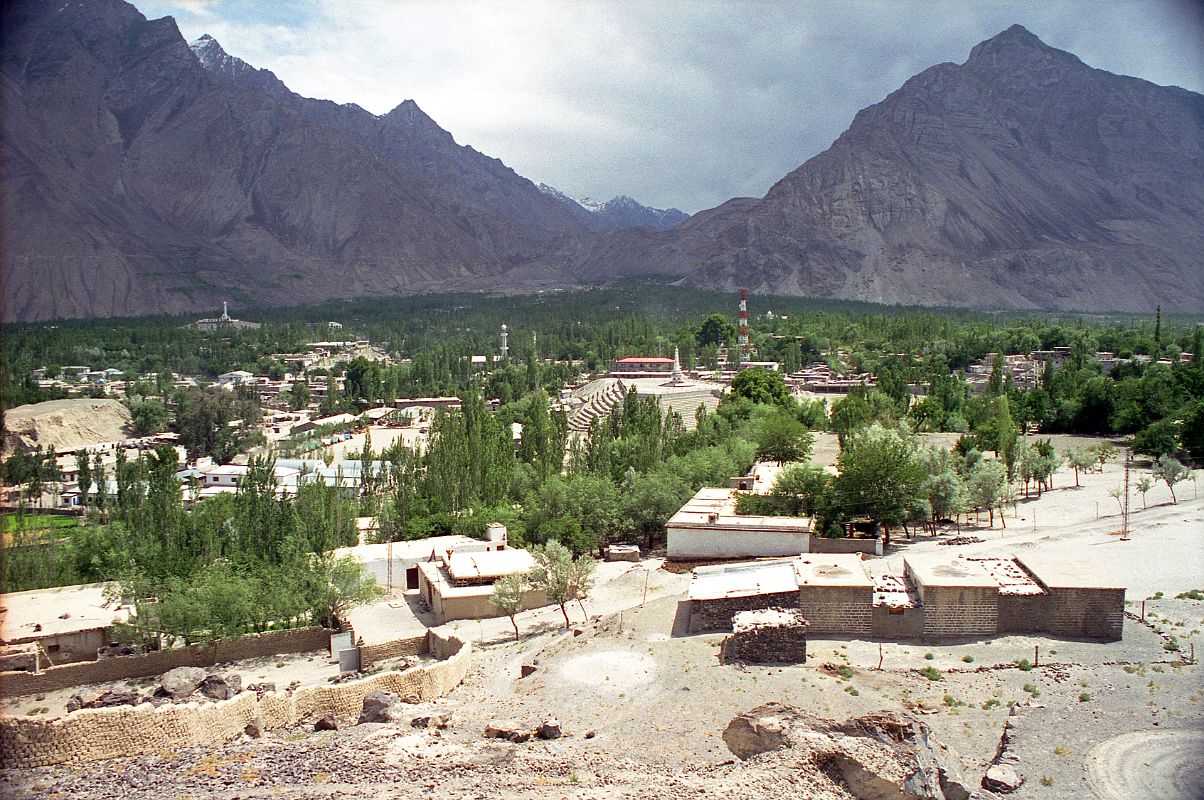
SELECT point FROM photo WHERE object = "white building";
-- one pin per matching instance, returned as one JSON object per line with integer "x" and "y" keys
{"x": 707, "y": 526}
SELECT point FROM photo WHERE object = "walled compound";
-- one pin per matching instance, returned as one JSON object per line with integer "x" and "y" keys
{"x": 933, "y": 597}
{"x": 767, "y": 636}
{"x": 102, "y": 733}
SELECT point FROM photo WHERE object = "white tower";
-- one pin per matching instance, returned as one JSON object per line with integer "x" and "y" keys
{"x": 505, "y": 342}
{"x": 225, "y": 313}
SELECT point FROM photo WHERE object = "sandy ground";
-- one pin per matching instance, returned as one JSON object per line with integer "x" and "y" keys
{"x": 1120, "y": 719}
{"x": 381, "y": 438}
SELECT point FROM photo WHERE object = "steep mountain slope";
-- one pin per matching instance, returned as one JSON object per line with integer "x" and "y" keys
{"x": 1020, "y": 179}
{"x": 619, "y": 212}
{"x": 134, "y": 182}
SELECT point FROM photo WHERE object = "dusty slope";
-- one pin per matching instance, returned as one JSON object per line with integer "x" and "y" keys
{"x": 65, "y": 424}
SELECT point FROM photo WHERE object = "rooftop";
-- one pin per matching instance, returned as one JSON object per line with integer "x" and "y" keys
{"x": 938, "y": 571}
{"x": 488, "y": 565}
{"x": 715, "y": 509}
{"x": 82, "y": 606}
{"x": 833, "y": 569}
{"x": 1054, "y": 573}
{"x": 743, "y": 580}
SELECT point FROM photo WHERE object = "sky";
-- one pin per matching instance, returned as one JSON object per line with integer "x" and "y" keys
{"x": 678, "y": 104}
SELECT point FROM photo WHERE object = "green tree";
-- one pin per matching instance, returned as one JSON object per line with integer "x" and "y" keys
{"x": 149, "y": 417}
{"x": 715, "y": 330}
{"x": 509, "y": 596}
{"x": 987, "y": 488}
{"x": 298, "y": 395}
{"x": 759, "y": 385}
{"x": 802, "y": 486}
{"x": 783, "y": 438}
{"x": 555, "y": 573}
{"x": 879, "y": 476}
{"x": 1078, "y": 459}
{"x": 1170, "y": 471}
{"x": 336, "y": 585}
{"x": 1157, "y": 439}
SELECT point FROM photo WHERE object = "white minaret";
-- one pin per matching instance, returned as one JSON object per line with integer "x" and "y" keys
{"x": 505, "y": 342}
{"x": 225, "y": 313}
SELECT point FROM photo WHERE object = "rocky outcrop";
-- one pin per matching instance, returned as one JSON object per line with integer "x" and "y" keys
{"x": 886, "y": 755}
{"x": 180, "y": 683}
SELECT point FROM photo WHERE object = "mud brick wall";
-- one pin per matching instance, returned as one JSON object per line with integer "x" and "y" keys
{"x": 960, "y": 611}
{"x": 820, "y": 544}
{"x": 297, "y": 640}
{"x": 906, "y": 623}
{"x": 841, "y": 610}
{"x": 1089, "y": 613}
{"x": 716, "y": 615}
{"x": 373, "y": 653}
{"x": 1023, "y": 613}
{"x": 95, "y": 734}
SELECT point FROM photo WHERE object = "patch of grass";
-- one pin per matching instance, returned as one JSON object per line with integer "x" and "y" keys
{"x": 968, "y": 659}
{"x": 1084, "y": 697}
{"x": 1171, "y": 646}
{"x": 280, "y": 665}
{"x": 929, "y": 656}
{"x": 931, "y": 673}
{"x": 852, "y": 690}
{"x": 992, "y": 703}
{"x": 845, "y": 672}
{"x": 1061, "y": 751}
{"x": 1046, "y": 780}
{"x": 1033, "y": 690}
{"x": 952, "y": 701}
{"x": 1157, "y": 668}
{"x": 1156, "y": 596}
{"x": 1194, "y": 594}
{"x": 1023, "y": 664}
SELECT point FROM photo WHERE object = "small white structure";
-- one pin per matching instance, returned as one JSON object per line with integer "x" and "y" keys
{"x": 707, "y": 526}
{"x": 235, "y": 378}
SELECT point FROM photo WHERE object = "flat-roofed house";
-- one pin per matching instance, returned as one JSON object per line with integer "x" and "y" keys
{"x": 707, "y": 526}
{"x": 459, "y": 585}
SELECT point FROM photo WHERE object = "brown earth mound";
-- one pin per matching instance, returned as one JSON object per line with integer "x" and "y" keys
{"x": 66, "y": 424}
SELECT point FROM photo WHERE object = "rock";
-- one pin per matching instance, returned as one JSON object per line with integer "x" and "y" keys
{"x": 590, "y": 734}
{"x": 83, "y": 699}
{"x": 526, "y": 670}
{"x": 221, "y": 687}
{"x": 1002, "y": 778}
{"x": 549, "y": 729}
{"x": 254, "y": 728}
{"x": 440, "y": 720}
{"x": 379, "y": 707}
{"x": 102, "y": 698}
{"x": 260, "y": 688}
{"x": 327, "y": 723}
{"x": 181, "y": 682}
{"x": 764, "y": 729}
{"x": 508, "y": 730}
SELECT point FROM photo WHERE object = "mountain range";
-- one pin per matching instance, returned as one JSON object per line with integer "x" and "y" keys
{"x": 144, "y": 175}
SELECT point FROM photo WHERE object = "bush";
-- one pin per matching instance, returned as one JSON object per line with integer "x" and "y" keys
{"x": 1084, "y": 697}
{"x": 931, "y": 673}
{"x": 968, "y": 659}
{"x": 1023, "y": 664}
{"x": 1194, "y": 594}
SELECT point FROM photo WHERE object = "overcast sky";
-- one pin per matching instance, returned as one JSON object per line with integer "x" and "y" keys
{"x": 682, "y": 104}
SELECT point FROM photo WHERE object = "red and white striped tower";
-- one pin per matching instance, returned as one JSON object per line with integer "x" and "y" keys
{"x": 742, "y": 331}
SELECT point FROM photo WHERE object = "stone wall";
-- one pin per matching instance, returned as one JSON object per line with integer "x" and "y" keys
{"x": 898, "y": 623}
{"x": 297, "y": 640}
{"x": 960, "y": 611}
{"x": 716, "y": 615}
{"x": 372, "y": 653}
{"x": 1089, "y": 613}
{"x": 95, "y": 734}
{"x": 1023, "y": 613}
{"x": 820, "y": 544}
{"x": 768, "y": 636}
{"x": 840, "y": 610}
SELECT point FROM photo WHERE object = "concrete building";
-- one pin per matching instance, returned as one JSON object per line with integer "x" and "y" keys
{"x": 459, "y": 585}
{"x": 707, "y": 526}
{"x": 932, "y": 598}
{"x": 641, "y": 367}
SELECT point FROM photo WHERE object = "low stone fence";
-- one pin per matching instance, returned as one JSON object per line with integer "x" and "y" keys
{"x": 96, "y": 734}
{"x": 105, "y": 670}
{"x": 848, "y": 545}
{"x": 373, "y": 653}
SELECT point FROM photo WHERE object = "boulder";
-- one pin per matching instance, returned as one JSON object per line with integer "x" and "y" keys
{"x": 764, "y": 729}
{"x": 1002, "y": 778}
{"x": 221, "y": 687}
{"x": 886, "y": 755}
{"x": 379, "y": 707}
{"x": 327, "y": 723}
{"x": 439, "y": 719}
{"x": 261, "y": 688}
{"x": 549, "y": 729}
{"x": 107, "y": 698}
{"x": 508, "y": 730}
{"x": 526, "y": 670}
{"x": 181, "y": 682}
{"x": 254, "y": 728}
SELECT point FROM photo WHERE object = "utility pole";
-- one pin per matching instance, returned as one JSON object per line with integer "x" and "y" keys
{"x": 1124, "y": 527}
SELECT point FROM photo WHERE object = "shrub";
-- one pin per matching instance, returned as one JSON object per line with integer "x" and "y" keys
{"x": 992, "y": 703}
{"x": 968, "y": 659}
{"x": 1033, "y": 690}
{"x": 1084, "y": 697}
{"x": 929, "y": 656}
{"x": 1194, "y": 594}
{"x": 1023, "y": 664}
{"x": 931, "y": 673}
